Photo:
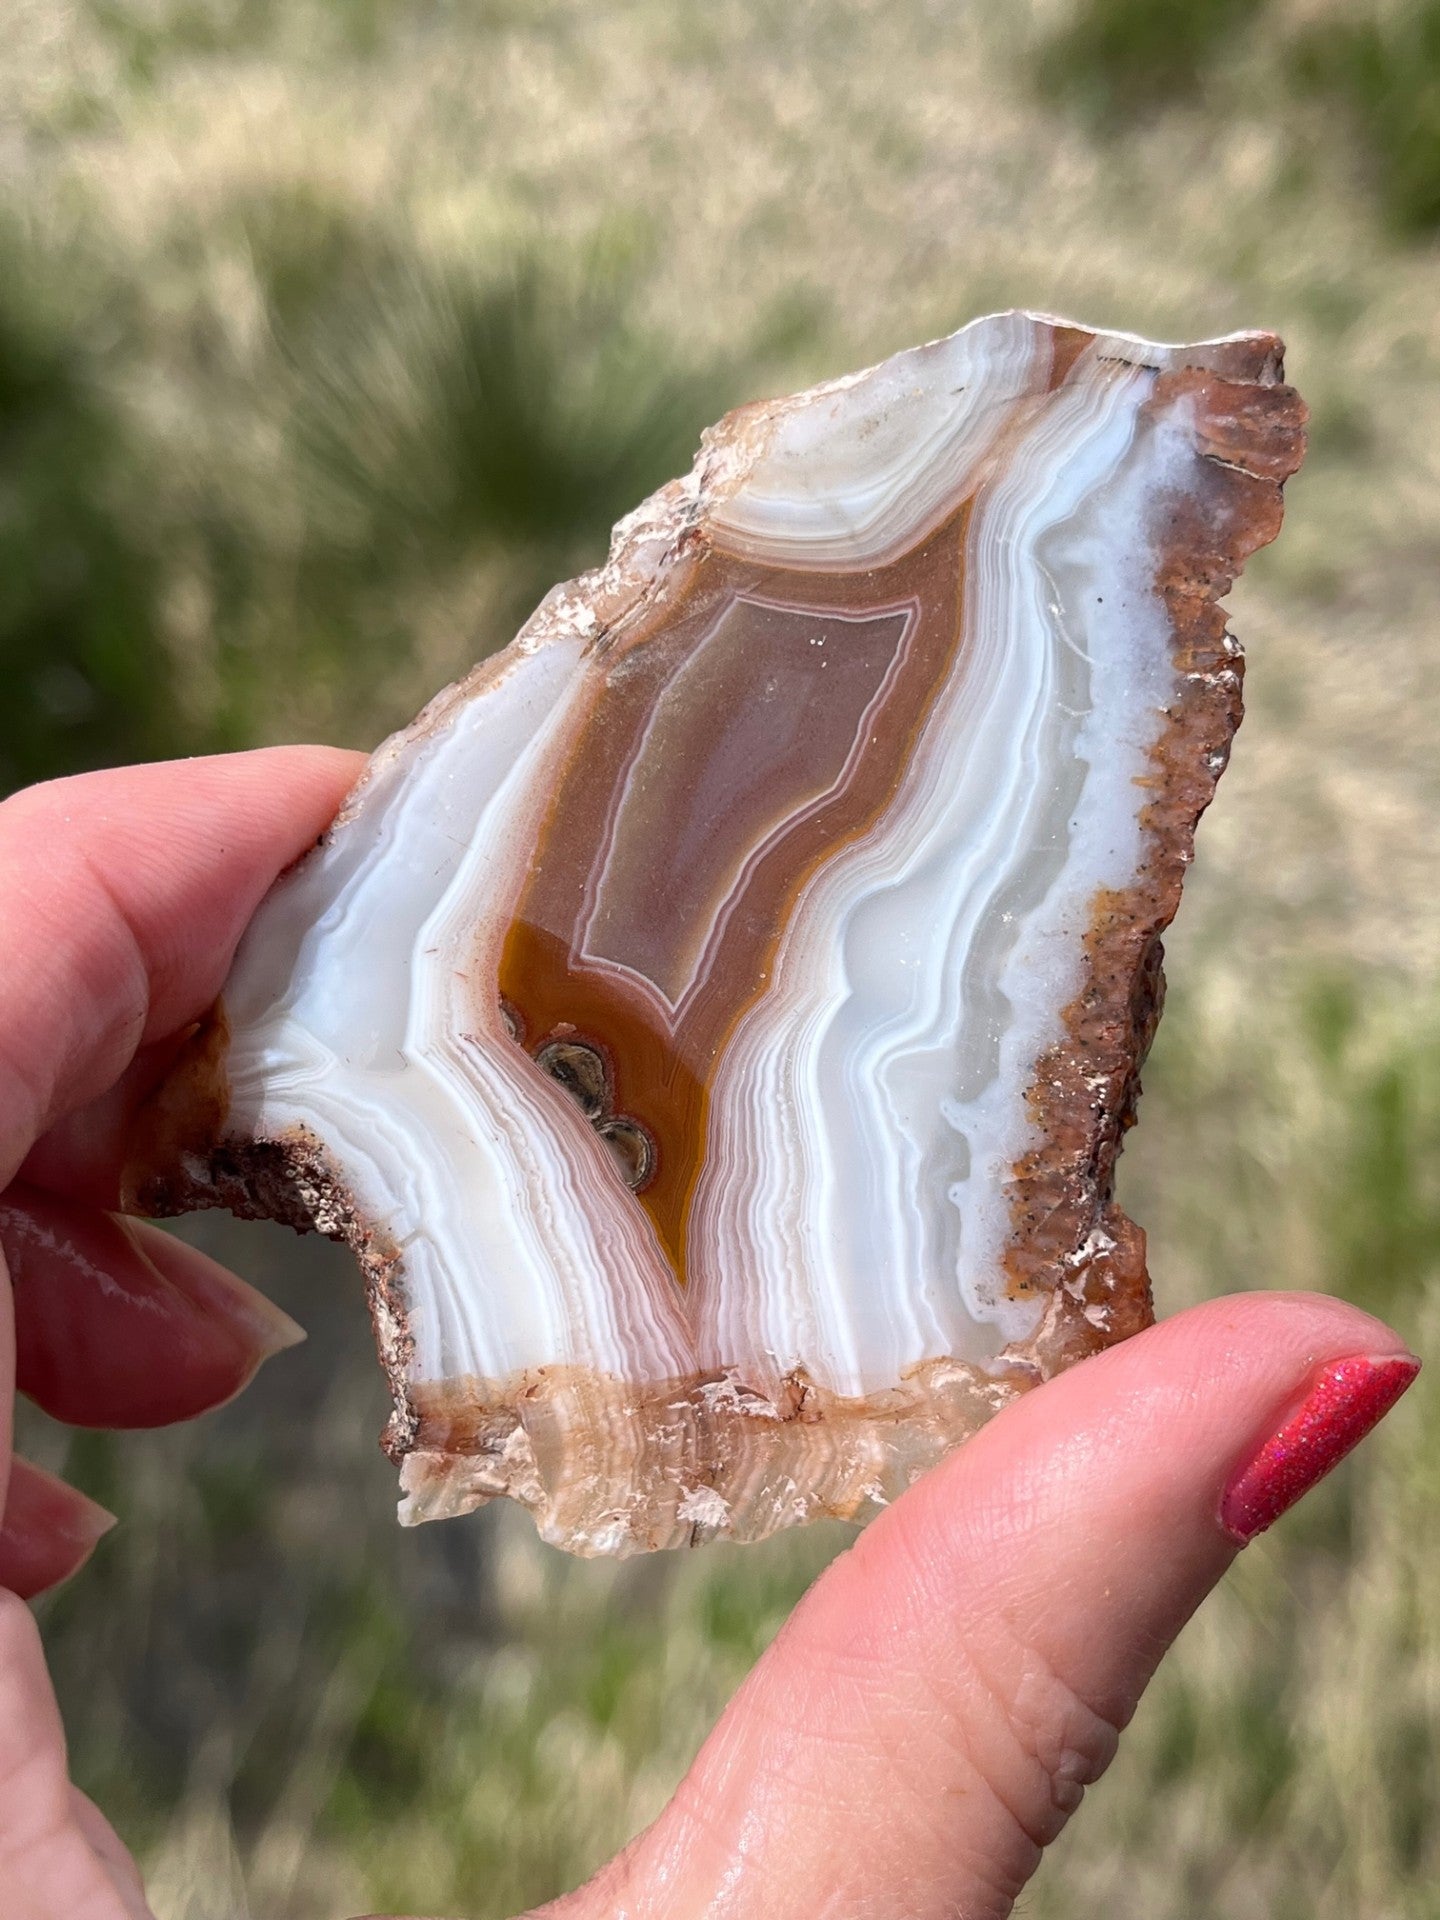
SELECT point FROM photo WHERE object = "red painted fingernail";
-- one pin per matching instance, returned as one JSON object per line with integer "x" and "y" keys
{"x": 49, "y": 1530}
{"x": 214, "y": 1289}
{"x": 1346, "y": 1400}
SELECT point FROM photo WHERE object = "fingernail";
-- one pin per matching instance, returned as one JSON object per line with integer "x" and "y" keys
{"x": 84, "y": 1521}
{"x": 1346, "y": 1399}
{"x": 274, "y": 1328}
{"x": 266, "y": 1328}
{"x": 37, "y": 1499}
{"x": 49, "y": 1531}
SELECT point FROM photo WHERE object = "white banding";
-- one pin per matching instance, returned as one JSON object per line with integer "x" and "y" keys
{"x": 863, "y": 1118}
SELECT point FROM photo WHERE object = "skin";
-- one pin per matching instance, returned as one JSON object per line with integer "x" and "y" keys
{"x": 930, "y": 1716}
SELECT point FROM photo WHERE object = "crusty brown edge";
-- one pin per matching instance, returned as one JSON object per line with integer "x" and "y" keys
{"x": 1069, "y": 1239}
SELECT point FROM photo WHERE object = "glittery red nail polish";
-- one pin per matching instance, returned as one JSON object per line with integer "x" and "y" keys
{"x": 1346, "y": 1400}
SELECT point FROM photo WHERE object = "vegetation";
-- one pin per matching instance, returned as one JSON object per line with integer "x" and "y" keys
{"x": 447, "y": 437}
{"x": 1123, "y": 60}
{"x": 330, "y": 335}
{"x": 1381, "y": 70}
{"x": 81, "y": 653}
{"x": 1372, "y": 71}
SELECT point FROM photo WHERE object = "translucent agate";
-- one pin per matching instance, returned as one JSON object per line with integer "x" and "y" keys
{"x": 713, "y": 1023}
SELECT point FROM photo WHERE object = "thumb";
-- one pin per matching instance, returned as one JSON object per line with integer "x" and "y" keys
{"x": 934, "y": 1709}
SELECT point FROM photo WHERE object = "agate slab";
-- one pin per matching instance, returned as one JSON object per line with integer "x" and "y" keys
{"x": 713, "y": 1023}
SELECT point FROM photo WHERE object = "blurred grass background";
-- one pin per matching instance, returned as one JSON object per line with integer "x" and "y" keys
{"x": 332, "y": 332}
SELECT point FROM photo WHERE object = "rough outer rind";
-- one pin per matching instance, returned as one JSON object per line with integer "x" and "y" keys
{"x": 621, "y": 1471}
{"x": 681, "y": 1459}
{"x": 1084, "y": 1095}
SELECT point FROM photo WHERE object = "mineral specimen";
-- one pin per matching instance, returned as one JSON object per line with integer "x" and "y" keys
{"x": 713, "y": 1023}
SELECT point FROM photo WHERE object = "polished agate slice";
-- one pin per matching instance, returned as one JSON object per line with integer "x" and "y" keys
{"x": 713, "y": 1023}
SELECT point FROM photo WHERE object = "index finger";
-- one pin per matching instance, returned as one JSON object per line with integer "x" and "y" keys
{"x": 124, "y": 896}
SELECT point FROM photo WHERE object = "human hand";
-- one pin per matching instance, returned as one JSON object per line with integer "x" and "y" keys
{"x": 930, "y": 1716}
{"x": 122, "y": 896}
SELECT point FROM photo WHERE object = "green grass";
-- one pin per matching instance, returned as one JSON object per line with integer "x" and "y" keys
{"x": 1119, "y": 61}
{"x": 153, "y": 37}
{"x": 443, "y": 418}
{"x": 395, "y": 464}
{"x": 1378, "y": 69}
{"x": 1370, "y": 72}
{"x": 82, "y": 656}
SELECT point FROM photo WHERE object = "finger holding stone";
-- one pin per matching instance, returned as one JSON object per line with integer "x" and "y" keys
{"x": 49, "y": 1530}
{"x": 120, "y": 1324}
